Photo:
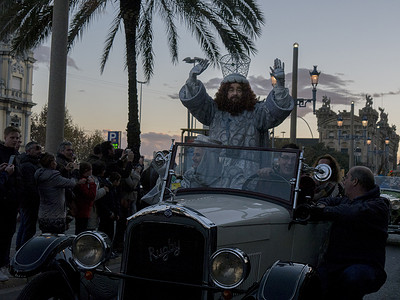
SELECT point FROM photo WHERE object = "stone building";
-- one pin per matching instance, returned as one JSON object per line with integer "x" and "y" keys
{"x": 15, "y": 91}
{"x": 375, "y": 145}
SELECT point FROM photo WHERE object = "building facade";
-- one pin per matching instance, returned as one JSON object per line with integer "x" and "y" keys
{"x": 15, "y": 90}
{"x": 375, "y": 142}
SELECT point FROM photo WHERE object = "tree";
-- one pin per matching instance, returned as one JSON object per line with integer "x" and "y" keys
{"x": 83, "y": 143}
{"x": 236, "y": 23}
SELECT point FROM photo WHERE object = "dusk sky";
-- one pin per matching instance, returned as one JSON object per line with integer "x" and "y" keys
{"x": 354, "y": 43}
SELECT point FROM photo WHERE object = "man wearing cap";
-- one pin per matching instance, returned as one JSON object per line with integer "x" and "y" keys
{"x": 236, "y": 117}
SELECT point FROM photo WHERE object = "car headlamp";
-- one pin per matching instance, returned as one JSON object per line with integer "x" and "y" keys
{"x": 90, "y": 249}
{"x": 229, "y": 267}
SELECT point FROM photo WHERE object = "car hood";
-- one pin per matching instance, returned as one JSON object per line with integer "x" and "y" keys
{"x": 231, "y": 210}
{"x": 239, "y": 219}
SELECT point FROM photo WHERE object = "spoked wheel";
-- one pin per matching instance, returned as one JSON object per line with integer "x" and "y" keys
{"x": 46, "y": 286}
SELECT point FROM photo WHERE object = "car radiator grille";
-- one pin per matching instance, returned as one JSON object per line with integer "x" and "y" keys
{"x": 164, "y": 251}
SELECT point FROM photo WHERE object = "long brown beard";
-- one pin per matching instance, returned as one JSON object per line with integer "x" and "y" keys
{"x": 236, "y": 107}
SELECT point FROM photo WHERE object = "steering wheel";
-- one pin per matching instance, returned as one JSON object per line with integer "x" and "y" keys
{"x": 253, "y": 183}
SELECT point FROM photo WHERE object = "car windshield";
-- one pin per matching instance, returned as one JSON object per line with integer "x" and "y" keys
{"x": 267, "y": 172}
{"x": 388, "y": 182}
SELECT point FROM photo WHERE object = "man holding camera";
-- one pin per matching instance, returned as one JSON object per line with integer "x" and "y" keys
{"x": 9, "y": 197}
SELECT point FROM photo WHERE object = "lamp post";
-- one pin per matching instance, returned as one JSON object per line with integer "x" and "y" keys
{"x": 377, "y": 152}
{"x": 351, "y": 137}
{"x": 301, "y": 102}
{"x": 140, "y": 111}
{"x": 387, "y": 141}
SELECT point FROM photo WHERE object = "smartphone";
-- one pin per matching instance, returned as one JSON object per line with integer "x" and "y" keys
{"x": 11, "y": 160}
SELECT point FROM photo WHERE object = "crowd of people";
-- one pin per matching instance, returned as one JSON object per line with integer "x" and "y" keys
{"x": 50, "y": 190}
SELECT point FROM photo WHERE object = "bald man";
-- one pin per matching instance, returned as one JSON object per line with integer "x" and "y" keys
{"x": 354, "y": 262}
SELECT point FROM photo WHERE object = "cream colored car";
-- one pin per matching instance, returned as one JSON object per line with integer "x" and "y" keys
{"x": 230, "y": 223}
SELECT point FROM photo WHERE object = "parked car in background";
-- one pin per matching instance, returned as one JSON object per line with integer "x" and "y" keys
{"x": 216, "y": 230}
{"x": 390, "y": 188}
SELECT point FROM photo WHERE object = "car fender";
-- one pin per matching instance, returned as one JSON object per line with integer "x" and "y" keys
{"x": 287, "y": 280}
{"x": 39, "y": 253}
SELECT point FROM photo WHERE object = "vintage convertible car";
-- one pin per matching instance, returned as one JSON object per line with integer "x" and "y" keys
{"x": 225, "y": 222}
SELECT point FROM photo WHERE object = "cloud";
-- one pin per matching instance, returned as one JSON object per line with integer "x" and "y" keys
{"x": 332, "y": 86}
{"x": 377, "y": 95}
{"x": 153, "y": 141}
{"x": 42, "y": 56}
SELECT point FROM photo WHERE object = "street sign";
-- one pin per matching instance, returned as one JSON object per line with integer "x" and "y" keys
{"x": 115, "y": 138}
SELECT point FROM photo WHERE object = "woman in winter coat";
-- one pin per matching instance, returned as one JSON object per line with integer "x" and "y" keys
{"x": 51, "y": 186}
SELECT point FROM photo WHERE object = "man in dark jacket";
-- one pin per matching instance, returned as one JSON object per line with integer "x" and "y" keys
{"x": 65, "y": 160}
{"x": 9, "y": 196}
{"x": 29, "y": 207}
{"x": 354, "y": 262}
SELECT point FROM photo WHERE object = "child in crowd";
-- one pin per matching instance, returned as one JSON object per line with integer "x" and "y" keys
{"x": 85, "y": 193}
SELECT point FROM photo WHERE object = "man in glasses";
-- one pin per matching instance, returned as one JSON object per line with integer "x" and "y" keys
{"x": 29, "y": 207}
{"x": 353, "y": 264}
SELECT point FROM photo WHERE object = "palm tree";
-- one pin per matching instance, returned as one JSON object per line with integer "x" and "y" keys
{"x": 234, "y": 23}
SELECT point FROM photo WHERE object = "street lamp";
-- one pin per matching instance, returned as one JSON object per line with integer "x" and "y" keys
{"x": 351, "y": 136}
{"x": 301, "y": 102}
{"x": 140, "y": 111}
{"x": 377, "y": 152}
{"x": 387, "y": 141}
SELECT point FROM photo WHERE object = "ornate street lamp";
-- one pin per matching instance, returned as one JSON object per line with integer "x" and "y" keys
{"x": 387, "y": 141}
{"x": 300, "y": 101}
{"x": 364, "y": 121}
{"x": 340, "y": 121}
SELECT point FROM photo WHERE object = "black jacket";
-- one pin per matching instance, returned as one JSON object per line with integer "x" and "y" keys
{"x": 9, "y": 192}
{"x": 359, "y": 230}
{"x": 30, "y": 193}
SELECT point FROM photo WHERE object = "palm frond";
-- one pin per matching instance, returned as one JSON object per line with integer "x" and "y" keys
{"x": 81, "y": 20}
{"x": 246, "y": 13}
{"x": 167, "y": 15}
{"x": 144, "y": 39}
{"x": 20, "y": 20}
{"x": 237, "y": 23}
{"x": 110, "y": 40}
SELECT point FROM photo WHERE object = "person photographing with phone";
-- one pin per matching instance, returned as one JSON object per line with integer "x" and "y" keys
{"x": 9, "y": 197}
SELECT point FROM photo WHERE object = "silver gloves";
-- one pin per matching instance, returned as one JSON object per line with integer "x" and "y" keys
{"x": 278, "y": 72}
{"x": 197, "y": 70}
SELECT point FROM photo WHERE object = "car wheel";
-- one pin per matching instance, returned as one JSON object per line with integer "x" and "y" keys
{"x": 45, "y": 286}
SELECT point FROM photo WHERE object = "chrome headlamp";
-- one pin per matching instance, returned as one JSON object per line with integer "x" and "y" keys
{"x": 229, "y": 267}
{"x": 90, "y": 249}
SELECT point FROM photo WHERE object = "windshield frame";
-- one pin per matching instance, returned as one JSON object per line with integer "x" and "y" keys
{"x": 176, "y": 155}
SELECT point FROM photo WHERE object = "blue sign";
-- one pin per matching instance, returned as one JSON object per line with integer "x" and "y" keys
{"x": 115, "y": 138}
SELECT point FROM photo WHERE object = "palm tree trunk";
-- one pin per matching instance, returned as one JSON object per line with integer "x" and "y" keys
{"x": 130, "y": 13}
{"x": 57, "y": 78}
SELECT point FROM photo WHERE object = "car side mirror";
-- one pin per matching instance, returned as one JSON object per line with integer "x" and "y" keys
{"x": 322, "y": 172}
